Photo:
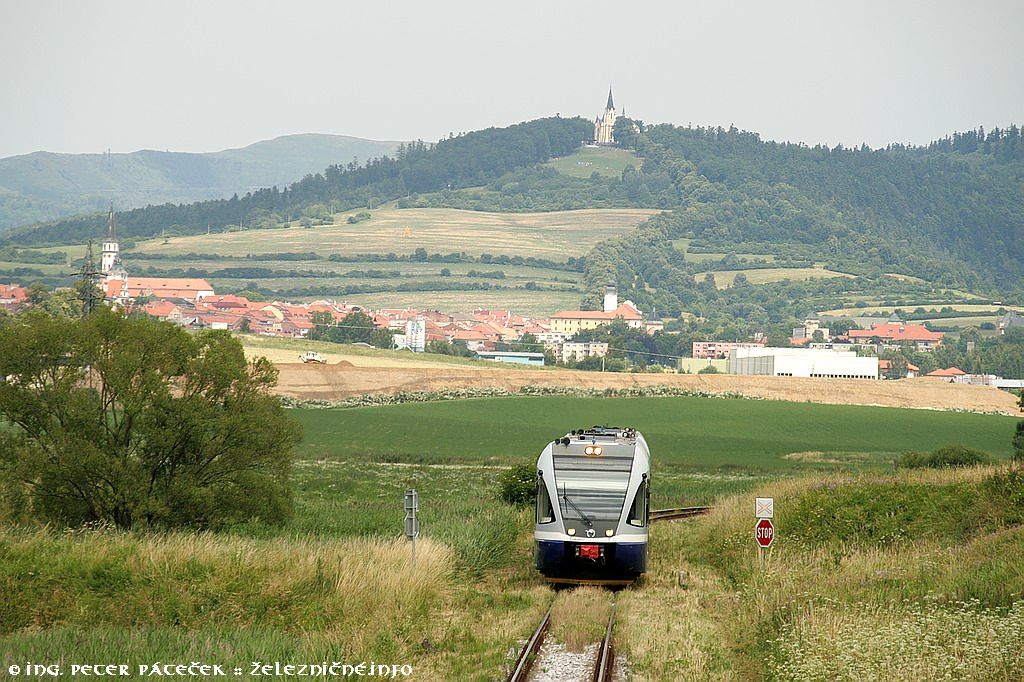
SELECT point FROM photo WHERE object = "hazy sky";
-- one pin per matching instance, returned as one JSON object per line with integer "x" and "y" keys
{"x": 84, "y": 76}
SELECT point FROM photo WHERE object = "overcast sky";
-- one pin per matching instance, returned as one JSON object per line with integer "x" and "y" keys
{"x": 85, "y": 76}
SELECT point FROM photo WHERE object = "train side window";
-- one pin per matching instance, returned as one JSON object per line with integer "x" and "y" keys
{"x": 545, "y": 514}
{"x": 638, "y": 512}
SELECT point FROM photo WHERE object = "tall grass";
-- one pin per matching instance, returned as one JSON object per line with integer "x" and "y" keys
{"x": 362, "y": 594}
{"x": 940, "y": 600}
{"x": 579, "y": 617}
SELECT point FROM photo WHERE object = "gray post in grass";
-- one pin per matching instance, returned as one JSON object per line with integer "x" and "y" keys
{"x": 412, "y": 524}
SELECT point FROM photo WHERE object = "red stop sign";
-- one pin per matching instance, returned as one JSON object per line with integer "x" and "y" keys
{"x": 764, "y": 533}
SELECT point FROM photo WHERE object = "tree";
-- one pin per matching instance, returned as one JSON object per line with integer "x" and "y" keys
{"x": 136, "y": 423}
{"x": 1018, "y": 443}
{"x": 897, "y": 368}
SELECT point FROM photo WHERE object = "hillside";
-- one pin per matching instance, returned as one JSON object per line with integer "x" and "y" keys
{"x": 751, "y": 235}
{"x": 44, "y": 186}
{"x": 463, "y": 161}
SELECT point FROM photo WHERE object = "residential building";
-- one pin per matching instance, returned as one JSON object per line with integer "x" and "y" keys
{"x": 894, "y": 334}
{"x": 572, "y": 321}
{"x": 12, "y": 296}
{"x": 158, "y": 287}
{"x": 718, "y": 350}
{"x": 579, "y": 351}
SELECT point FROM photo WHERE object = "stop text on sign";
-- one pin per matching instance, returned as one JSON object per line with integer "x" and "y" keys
{"x": 764, "y": 533}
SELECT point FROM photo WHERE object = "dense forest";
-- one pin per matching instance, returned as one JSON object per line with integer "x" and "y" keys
{"x": 467, "y": 160}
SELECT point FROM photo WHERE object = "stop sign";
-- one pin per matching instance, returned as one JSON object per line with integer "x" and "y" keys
{"x": 764, "y": 533}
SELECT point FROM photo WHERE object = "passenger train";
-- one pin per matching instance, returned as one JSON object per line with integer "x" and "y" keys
{"x": 593, "y": 494}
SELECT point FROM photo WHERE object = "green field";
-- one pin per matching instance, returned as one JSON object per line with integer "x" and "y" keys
{"x": 685, "y": 434}
{"x": 605, "y": 161}
{"x": 684, "y": 246}
{"x": 724, "y": 278}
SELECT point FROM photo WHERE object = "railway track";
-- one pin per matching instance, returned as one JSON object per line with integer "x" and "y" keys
{"x": 680, "y": 513}
{"x": 604, "y": 663}
{"x": 521, "y": 670}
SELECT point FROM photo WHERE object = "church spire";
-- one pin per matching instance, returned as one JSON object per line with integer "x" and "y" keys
{"x": 110, "y": 223}
{"x": 611, "y": 104}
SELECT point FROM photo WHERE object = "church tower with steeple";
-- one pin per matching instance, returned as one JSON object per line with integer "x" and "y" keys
{"x": 604, "y": 125}
{"x": 110, "y": 256}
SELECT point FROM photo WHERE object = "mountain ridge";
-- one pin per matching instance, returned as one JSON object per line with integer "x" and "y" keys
{"x": 45, "y": 185}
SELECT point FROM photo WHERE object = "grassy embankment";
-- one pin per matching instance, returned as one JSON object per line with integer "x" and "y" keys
{"x": 332, "y": 582}
{"x": 899, "y": 577}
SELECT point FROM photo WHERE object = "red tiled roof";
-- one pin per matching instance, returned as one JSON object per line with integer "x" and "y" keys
{"x": 896, "y": 332}
{"x": 625, "y": 311}
{"x": 14, "y": 292}
{"x": 948, "y": 372}
{"x": 159, "y": 308}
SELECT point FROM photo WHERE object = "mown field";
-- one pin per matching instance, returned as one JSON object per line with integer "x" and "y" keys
{"x": 335, "y": 581}
{"x": 725, "y": 278}
{"x": 605, "y": 161}
{"x": 936, "y": 308}
{"x": 555, "y": 235}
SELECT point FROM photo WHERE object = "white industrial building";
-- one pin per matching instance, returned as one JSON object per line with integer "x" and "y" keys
{"x": 803, "y": 362}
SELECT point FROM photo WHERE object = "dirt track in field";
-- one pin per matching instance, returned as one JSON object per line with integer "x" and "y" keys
{"x": 339, "y": 381}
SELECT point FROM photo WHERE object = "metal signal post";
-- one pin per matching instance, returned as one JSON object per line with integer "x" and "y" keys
{"x": 412, "y": 524}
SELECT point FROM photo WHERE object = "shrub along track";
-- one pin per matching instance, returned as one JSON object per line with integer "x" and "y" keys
{"x": 340, "y": 381}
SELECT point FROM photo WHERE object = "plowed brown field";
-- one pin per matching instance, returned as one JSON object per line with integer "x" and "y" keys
{"x": 337, "y": 381}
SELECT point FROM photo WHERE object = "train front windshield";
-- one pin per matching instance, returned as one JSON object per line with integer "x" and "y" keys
{"x": 591, "y": 488}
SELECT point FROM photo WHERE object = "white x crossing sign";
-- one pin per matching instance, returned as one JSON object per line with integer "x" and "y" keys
{"x": 764, "y": 508}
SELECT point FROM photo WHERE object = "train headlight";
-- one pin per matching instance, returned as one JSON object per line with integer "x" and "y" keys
{"x": 593, "y": 450}
{"x": 609, "y": 532}
{"x": 570, "y": 531}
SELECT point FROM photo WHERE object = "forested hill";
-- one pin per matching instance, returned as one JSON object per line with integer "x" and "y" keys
{"x": 467, "y": 160}
{"x": 960, "y": 199}
{"x": 951, "y": 213}
{"x": 46, "y": 186}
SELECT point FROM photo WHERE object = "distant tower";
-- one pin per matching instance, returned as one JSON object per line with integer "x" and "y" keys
{"x": 109, "y": 252}
{"x": 604, "y": 125}
{"x": 611, "y": 298}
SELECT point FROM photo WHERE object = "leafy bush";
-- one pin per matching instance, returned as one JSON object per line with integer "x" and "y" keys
{"x": 710, "y": 369}
{"x": 944, "y": 458}
{"x": 518, "y": 485}
{"x": 136, "y": 423}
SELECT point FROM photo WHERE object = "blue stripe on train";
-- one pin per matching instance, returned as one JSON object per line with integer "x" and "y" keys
{"x": 551, "y": 554}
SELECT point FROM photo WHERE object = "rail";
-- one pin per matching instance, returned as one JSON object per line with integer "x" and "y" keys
{"x": 521, "y": 670}
{"x": 680, "y": 513}
{"x": 606, "y": 653}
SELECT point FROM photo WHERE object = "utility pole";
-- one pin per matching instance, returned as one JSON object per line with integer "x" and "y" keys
{"x": 88, "y": 276}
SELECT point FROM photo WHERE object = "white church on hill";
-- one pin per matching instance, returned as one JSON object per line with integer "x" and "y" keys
{"x": 604, "y": 124}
